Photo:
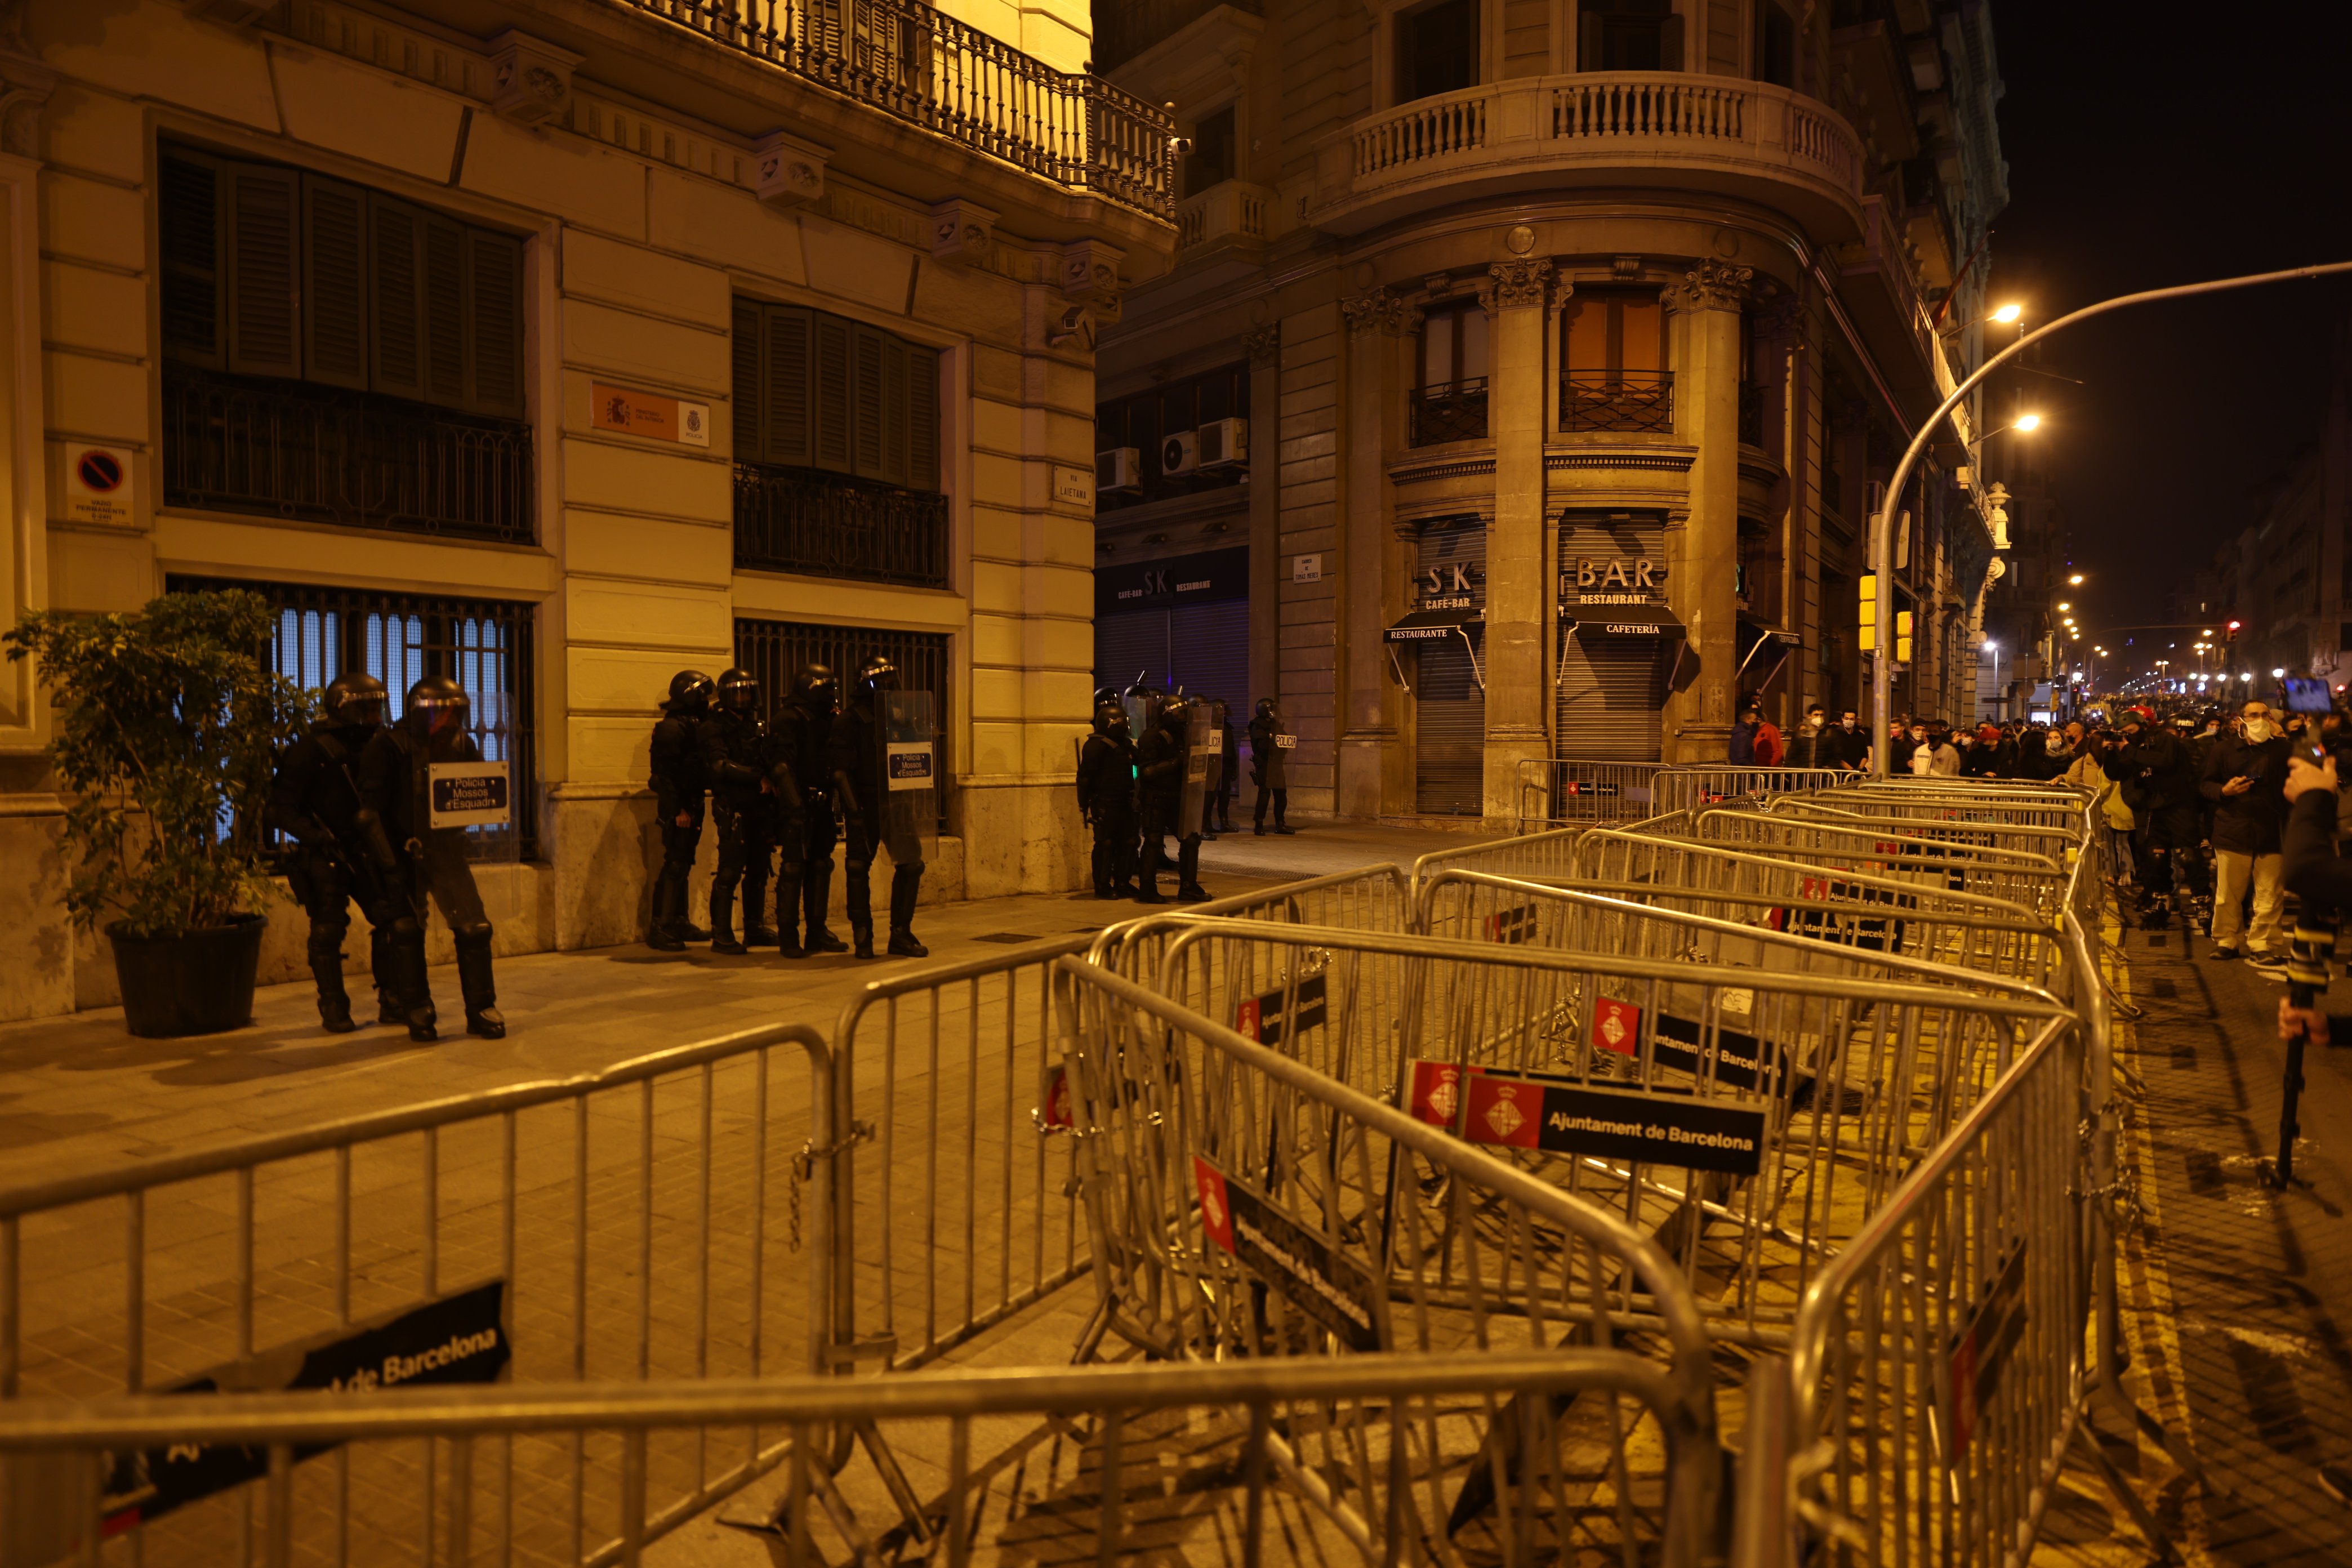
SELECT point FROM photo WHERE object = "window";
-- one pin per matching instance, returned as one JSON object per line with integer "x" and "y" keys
{"x": 819, "y": 391}
{"x": 1449, "y": 401}
{"x": 336, "y": 356}
{"x": 1144, "y": 421}
{"x": 1776, "y": 45}
{"x": 1612, "y": 355}
{"x": 1210, "y": 161}
{"x": 485, "y": 645}
{"x": 775, "y": 650}
{"x": 1437, "y": 50}
{"x": 1628, "y": 35}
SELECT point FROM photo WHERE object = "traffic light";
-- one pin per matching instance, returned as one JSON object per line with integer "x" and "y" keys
{"x": 1868, "y": 592}
{"x": 2230, "y": 634}
{"x": 1901, "y": 637}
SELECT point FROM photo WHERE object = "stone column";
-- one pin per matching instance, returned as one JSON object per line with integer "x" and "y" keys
{"x": 1263, "y": 346}
{"x": 1369, "y": 702}
{"x": 1515, "y": 576}
{"x": 1704, "y": 583}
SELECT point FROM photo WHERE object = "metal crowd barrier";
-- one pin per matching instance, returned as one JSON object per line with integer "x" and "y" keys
{"x": 1246, "y": 1205}
{"x": 1116, "y": 1463}
{"x": 2031, "y": 879}
{"x": 643, "y": 1221}
{"x": 1535, "y": 855}
{"x": 1566, "y": 791}
{"x": 1975, "y": 826}
{"x": 1688, "y": 788}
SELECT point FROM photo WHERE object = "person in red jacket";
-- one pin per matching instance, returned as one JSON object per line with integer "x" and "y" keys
{"x": 1770, "y": 747}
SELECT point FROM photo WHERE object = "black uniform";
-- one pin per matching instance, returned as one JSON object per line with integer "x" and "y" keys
{"x": 1107, "y": 800}
{"x": 861, "y": 797}
{"x": 679, "y": 785}
{"x": 2162, "y": 790}
{"x": 1269, "y": 767}
{"x": 799, "y": 770}
{"x": 427, "y": 862}
{"x": 735, "y": 756}
{"x": 315, "y": 801}
{"x": 1159, "y": 795}
{"x": 1229, "y": 771}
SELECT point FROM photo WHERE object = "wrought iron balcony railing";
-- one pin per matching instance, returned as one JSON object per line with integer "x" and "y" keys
{"x": 1453, "y": 412}
{"x": 293, "y": 450}
{"x": 1625, "y": 400}
{"x": 924, "y": 66}
{"x": 830, "y": 525}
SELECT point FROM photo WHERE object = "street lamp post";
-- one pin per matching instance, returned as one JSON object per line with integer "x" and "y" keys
{"x": 1882, "y": 527}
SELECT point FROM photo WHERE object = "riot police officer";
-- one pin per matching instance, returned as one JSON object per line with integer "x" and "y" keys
{"x": 743, "y": 799}
{"x": 862, "y": 796}
{"x": 678, "y": 788}
{"x": 799, "y": 770}
{"x": 1160, "y": 759}
{"x": 424, "y": 861}
{"x": 1107, "y": 800}
{"x": 315, "y": 801}
{"x": 1270, "y": 767}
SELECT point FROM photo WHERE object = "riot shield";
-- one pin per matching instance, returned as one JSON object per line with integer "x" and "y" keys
{"x": 909, "y": 775}
{"x": 1199, "y": 755}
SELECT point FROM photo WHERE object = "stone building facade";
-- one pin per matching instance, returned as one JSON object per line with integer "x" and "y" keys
{"x": 1572, "y": 342}
{"x": 559, "y": 344}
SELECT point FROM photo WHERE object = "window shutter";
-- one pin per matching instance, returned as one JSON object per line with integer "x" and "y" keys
{"x": 1671, "y": 56}
{"x": 334, "y": 283}
{"x": 494, "y": 324}
{"x": 868, "y": 387}
{"x": 744, "y": 346}
{"x": 922, "y": 419}
{"x": 443, "y": 294}
{"x": 396, "y": 297}
{"x": 830, "y": 392}
{"x": 894, "y": 442}
{"x": 1589, "y": 40}
{"x": 265, "y": 335}
{"x": 189, "y": 212}
{"x": 785, "y": 404}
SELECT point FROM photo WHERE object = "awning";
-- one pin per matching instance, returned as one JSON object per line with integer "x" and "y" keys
{"x": 1431, "y": 625}
{"x": 1764, "y": 652}
{"x": 1621, "y": 620}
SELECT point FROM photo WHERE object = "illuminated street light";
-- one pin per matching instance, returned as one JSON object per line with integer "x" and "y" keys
{"x": 2028, "y": 422}
{"x": 2075, "y": 581}
{"x": 2278, "y": 675}
{"x": 2062, "y": 604}
{"x": 2008, "y": 313}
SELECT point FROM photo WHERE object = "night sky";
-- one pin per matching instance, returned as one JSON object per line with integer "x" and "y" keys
{"x": 2152, "y": 145}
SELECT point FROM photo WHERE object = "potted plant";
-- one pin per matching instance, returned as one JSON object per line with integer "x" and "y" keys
{"x": 168, "y": 724}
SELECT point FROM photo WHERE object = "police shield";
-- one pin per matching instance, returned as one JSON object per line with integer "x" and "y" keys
{"x": 910, "y": 773}
{"x": 1199, "y": 756}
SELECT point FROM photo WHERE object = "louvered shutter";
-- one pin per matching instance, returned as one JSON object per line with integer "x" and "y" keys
{"x": 189, "y": 210}
{"x": 396, "y": 298}
{"x": 744, "y": 347}
{"x": 869, "y": 387}
{"x": 1449, "y": 705}
{"x": 1609, "y": 689}
{"x": 922, "y": 419}
{"x": 894, "y": 411}
{"x": 265, "y": 334}
{"x": 830, "y": 392}
{"x": 784, "y": 404}
{"x": 494, "y": 324}
{"x": 444, "y": 295}
{"x": 334, "y": 283}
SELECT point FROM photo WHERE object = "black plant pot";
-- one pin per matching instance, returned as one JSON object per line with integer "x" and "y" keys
{"x": 200, "y": 984}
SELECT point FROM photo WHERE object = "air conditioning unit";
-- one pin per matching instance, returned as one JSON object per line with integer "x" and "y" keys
{"x": 1180, "y": 453}
{"x": 1119, "y": 470}
{"x": 1225, "y": 442}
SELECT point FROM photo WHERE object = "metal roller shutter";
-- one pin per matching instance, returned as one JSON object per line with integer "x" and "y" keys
{"x": 1449, "y": 705}
{"x": 1608, "y": 692}
{"x": 1210, "y": 646}
{"x": 1128, "y": 643}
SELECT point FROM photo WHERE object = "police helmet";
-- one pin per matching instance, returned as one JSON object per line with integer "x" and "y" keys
{"x": 1173, "y": 711}
{"x": 817, "y": 683}
{"x": 739, "y": 690}
{"x": 878, "y": 674}
{"x": 1266, "y": 707}
{"x": 690, "y": 691}
{"x": 355, "y": 698}
{"x": 436, "y": 706}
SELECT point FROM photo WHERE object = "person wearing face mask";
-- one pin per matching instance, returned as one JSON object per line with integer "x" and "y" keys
{"x": 2244, "y": 778}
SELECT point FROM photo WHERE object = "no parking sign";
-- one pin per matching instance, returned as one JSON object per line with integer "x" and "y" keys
{"x": 98, "y": 484}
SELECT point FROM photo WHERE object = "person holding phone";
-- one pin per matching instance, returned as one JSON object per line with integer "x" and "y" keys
{"x": 2244, "y": 778}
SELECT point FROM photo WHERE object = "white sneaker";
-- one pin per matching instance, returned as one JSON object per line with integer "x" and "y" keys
{"x": 2269, "y": 965}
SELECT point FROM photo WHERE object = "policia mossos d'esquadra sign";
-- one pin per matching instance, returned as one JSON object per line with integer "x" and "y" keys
{"x": 463, "y": 1337}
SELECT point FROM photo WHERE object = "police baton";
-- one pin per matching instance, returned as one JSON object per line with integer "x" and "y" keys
{"x": 2308, "y": 954}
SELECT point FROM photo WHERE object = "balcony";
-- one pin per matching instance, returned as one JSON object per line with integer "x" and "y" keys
{"x": 1888, "y": 307}
{"x": 1231, "y": 213}
{"x": 1703, "y": 133}
{"x": 293, "y": 450}
{"x": 830, "y": 525}
{"x": 1639, "y": 401}
{"x": 925, "y": 67}
{"x": 1454, "y": 412}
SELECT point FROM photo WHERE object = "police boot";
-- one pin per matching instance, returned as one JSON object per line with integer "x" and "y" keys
{"x": 474, "y": 982}
{"x": 668, "y": 907}
{"x": 788, "y": 915}
{"x": 757, "y": 932}
{"x": 816, "y": 892}
{"x": 335, "y": 1002}
{"x": 1188, "y": 874}
{"x": 905, "y": 882}
{"x": 383, "y": 970}
{"x": 861, "y": 910}
{"x": 415, "y": 1000}
{"x": 722, "y": 924}
{"x": 1147, "y": 891}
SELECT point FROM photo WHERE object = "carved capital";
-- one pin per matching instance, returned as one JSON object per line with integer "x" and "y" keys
{"x": 789, "y": 172}
{"x": 1090, "y": 270}
{"x": 1714, "y": 285}
{"x": 530, "y": 79}
{"x": 962, "y": 231}
{"x": 25, "y": 89}
{"x": 1262, "y": 345}
{"x": 1519, "y": 285}
{"x": 1378, "y": 310}
{"x": 1782, "y": 317}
